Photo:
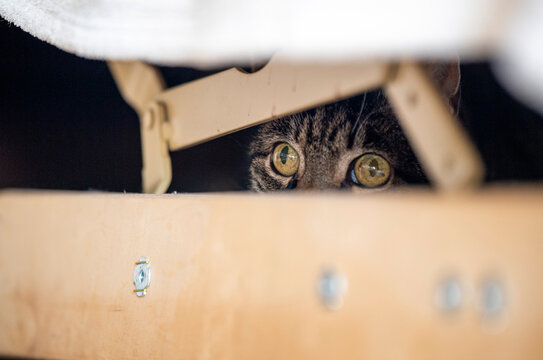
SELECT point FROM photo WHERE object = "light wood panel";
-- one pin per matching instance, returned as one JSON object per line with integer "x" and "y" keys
{"x": 442, "y": 146}
{"x": 235, "y": 276}
{"x": 232, "y": 100}
{"x": 138, "y": 83}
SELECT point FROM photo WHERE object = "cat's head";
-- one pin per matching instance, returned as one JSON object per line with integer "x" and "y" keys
{"x": 354, "y": 144}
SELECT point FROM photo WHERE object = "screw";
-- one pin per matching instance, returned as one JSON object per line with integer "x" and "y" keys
{"x": 449, "y": 295}
{"x": 142, "y": 276}
{"x": 492, "y": 305}
{"x": 332, "y": 287}
{"x": 492, "y": 298}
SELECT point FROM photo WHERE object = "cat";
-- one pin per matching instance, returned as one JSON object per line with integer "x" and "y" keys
{"x": 354, "y": 144}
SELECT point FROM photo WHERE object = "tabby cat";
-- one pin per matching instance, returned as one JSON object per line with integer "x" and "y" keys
{"x": 353, "y": 144}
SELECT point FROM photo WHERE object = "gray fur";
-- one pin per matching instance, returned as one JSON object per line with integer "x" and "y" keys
{"x": 328, "y": 140}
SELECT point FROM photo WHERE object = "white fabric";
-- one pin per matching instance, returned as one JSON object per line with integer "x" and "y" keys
{"x": 520, "y": 55}
{"x": 215, "y": 31}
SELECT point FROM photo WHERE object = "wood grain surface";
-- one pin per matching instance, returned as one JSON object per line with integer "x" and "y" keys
{"x": 235, "y": 276}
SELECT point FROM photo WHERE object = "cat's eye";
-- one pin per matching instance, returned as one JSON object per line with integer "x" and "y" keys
{"x": 370, "y": 170}
{"x": 285, "y": 159}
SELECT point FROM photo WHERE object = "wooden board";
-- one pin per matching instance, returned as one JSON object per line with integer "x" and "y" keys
{"x": 235, "y": 276}
{"x": 442, "y": 146}
{"x": 232, "y": 100}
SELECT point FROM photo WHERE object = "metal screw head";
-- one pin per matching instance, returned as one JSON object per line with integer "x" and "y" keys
{"x": 332, "y": 287}
{"x": 142, "y": 276}
{"x": 492, "y": 300}
{"x": 448, "y": 295}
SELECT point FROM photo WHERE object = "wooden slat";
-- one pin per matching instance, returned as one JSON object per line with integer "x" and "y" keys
{"x": 235, "y": 276}
{"x": 232, "y": 100}
{"x": 138, "y": 83}
{"x": 442, "y": 146}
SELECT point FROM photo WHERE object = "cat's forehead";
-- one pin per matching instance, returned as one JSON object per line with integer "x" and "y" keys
{"x": 331, "y": 128}
{"x": 334, "y": 130}
{"x": 329, "y": 139}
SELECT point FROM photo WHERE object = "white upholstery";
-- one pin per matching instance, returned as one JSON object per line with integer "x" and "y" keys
{"x": 215, "y": 32}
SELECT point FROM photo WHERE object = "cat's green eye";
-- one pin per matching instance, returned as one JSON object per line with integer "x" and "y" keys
{"x": 285, "y": 159}
{"x": 371, "y": 170}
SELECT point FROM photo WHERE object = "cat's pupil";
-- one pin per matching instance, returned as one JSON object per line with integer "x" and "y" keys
{"x": 284, "y": 155}
{"x": 373, "y": 167}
